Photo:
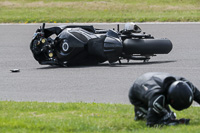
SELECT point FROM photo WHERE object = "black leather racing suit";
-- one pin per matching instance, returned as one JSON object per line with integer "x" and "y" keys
{"x": 148, "y": 95}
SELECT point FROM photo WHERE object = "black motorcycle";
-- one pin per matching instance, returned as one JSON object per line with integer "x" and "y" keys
{"x": 86, "y": 45}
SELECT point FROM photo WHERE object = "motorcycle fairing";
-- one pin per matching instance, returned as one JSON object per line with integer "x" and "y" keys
{"x": 107, "y": 47}
{"x": 112, "y": 46}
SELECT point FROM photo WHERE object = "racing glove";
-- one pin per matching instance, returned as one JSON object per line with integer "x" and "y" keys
{"x": 169, "y": 119}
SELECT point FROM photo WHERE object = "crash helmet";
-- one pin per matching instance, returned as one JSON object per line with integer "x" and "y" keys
{"x": 180, "y": 95}
{"x": 130, "y": 26}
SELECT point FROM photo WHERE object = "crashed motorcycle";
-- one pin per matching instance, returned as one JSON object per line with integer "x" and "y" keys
{"x": 85, "y": 45}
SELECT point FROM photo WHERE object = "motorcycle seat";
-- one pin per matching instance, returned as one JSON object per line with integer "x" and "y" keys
{"x": 89, "y": 28}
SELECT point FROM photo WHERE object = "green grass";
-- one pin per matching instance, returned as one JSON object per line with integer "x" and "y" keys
{"x": 34, "y": 117}
{"x": 66, "y": 11}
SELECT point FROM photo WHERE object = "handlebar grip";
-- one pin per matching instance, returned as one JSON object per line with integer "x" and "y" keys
{"x": 43, "y": 26}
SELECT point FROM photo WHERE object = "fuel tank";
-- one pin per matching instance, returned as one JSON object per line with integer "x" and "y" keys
{"x": 71, "y": 42}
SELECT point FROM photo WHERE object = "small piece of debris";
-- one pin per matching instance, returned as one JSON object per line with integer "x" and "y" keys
{"x": 15, "y": 70}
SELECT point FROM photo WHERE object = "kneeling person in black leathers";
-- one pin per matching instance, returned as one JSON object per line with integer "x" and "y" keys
{"x": 152, "y": 93}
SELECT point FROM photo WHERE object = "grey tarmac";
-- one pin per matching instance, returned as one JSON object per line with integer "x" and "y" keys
{"x": 100, "y": 84}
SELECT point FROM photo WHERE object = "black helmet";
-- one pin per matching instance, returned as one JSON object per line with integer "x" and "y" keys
{"x": 180, "y": 95}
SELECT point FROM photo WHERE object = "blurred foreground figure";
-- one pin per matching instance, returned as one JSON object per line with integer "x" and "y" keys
{"x": 152, "y": 93}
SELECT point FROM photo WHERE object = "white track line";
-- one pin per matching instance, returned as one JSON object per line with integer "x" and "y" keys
{"x": 99, "y": 23}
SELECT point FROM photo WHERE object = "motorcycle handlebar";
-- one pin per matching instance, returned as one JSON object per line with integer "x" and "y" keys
{"x": 43, "y": 26}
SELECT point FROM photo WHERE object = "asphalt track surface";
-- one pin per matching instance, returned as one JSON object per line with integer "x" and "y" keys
{"x": 102, "y": 83}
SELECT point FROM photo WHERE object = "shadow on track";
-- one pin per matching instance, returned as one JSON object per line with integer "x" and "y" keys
{"x": 112, "y": 65}
{"x": 148, "y": 63}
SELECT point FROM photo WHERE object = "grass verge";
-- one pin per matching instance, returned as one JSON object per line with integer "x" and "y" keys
{"x": 65, "y": 11}
{"x": 82, "y": 117}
